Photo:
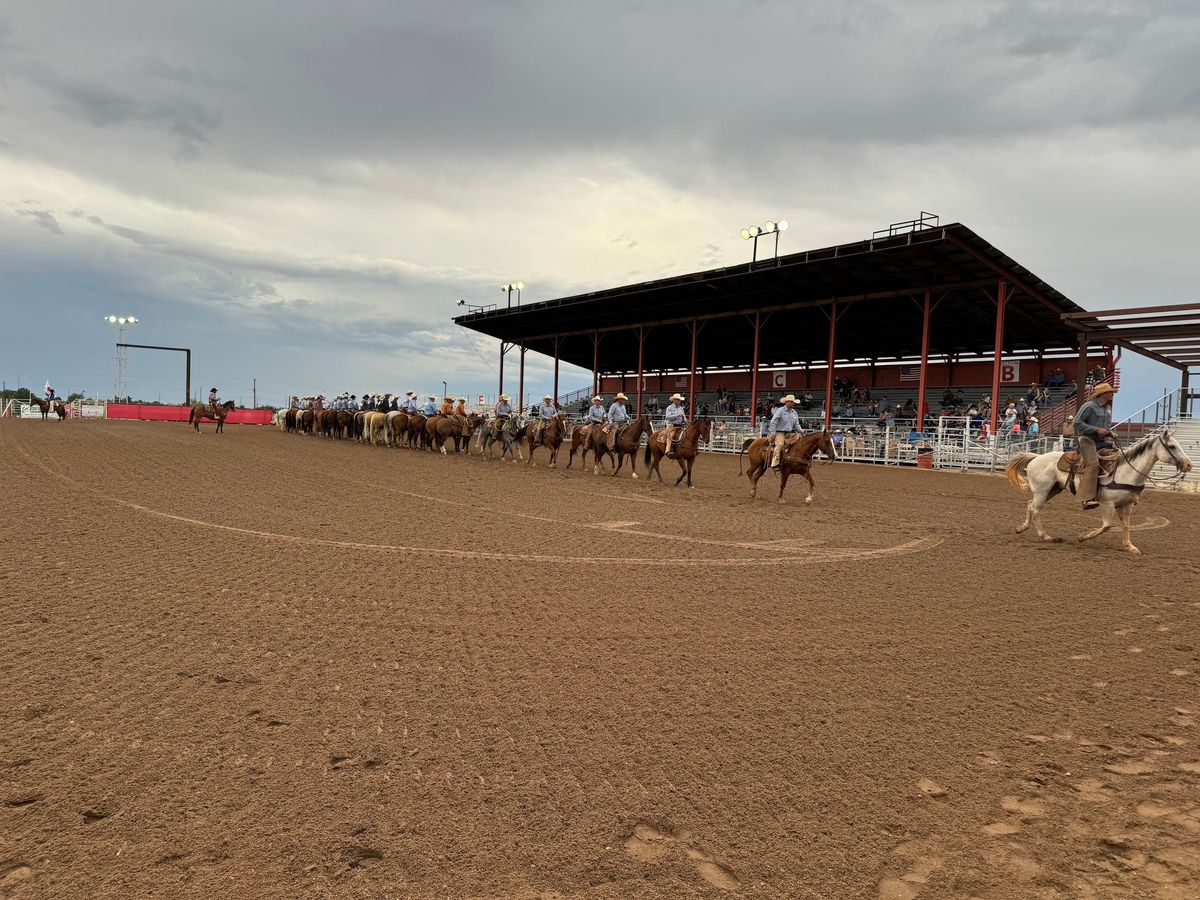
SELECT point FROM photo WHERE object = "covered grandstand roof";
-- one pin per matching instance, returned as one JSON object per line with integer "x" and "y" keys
{"x": 879, "y": 285}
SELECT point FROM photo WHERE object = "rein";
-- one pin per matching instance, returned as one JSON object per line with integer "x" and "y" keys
{"x": 1123, "y": 457}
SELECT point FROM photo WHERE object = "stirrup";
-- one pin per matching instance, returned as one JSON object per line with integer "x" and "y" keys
{"x": 1091, "y": 504}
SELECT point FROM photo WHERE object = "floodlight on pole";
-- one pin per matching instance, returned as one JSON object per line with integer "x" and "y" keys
{"x": 509, "y": 288}
{"x": 120, "y": 381}
{"x": 753, "y": 232}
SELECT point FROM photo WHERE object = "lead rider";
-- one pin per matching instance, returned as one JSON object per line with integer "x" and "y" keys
{"x": 1093, "y": 424}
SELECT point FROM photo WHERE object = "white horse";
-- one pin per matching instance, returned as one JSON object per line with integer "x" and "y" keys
{"x": 1118, "y": 496}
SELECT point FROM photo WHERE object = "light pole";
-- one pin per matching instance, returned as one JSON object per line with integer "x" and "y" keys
{"x": 509, "y": 288}
{"x": 120, "y": 383}
{"x": 770, "y": 227}
{"x": 445, "y": 391}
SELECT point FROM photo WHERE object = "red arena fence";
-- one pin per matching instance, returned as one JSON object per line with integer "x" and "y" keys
{"x": 150, "y": 412}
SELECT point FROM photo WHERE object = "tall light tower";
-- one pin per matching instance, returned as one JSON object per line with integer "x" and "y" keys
{"x": 517, "y": 286}
{"x": 120, "y": 384}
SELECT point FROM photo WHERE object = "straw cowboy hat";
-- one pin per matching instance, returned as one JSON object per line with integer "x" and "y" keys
{"x": 410, "y": 393}
{"x": 621, "y": 396}
{"x": 547, "y": 397}
{"x": 789, "y": 398}
{"x": 677, "y": 396}
{"x": 1103, "y": 388}
{"x": 505, "y": 397}
{"x": 597, "y": 399}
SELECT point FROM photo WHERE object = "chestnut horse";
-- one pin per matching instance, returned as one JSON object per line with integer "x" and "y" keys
{"x": 687, "y": 446}
{"x": 793, "y": 460}
{"x": 626, "y": 444}
{"x": 204, "y": 411}
{"x": 550, "y": 437}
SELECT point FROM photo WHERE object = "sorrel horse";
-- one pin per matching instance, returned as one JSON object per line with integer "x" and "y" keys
{"x": 793, "y": 460}
{"x": 439, "y": 429}
{"x": 581, "y": 437}
{"x": 510, "y": 438}
{"x": 687, "y": 446}
{"x": 1118, "y": 494}
{"x": 626, "y": 444}
{"x": 204, "y": 411}
{"x": 550, "y": 436}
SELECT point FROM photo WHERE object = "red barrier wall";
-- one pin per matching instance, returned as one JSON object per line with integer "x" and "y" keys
{"x": 150, "y": 412}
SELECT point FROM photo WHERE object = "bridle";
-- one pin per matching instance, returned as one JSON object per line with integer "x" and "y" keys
{"x": 1169, "y": 481}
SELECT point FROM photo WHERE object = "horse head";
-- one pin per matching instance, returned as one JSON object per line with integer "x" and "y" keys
{"x": 1168, "y": 450}
{"x": 704, "y": 429}
{"x": 826, "y": 445}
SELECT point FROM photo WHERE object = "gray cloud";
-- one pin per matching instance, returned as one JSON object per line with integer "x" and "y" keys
{"x": 42, "y": 217}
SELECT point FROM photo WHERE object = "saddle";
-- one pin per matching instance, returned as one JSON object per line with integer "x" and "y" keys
{"x": 1070, "y": 462}
{"x": 791, "y": 439}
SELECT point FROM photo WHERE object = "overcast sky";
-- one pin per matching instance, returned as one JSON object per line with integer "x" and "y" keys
{"x": 301, "y": 191}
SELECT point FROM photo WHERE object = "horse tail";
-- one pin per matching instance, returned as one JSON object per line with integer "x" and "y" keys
{"x": 191, "y": 415}
{"x": 1015, "y": 470}
{"x": 742, "y": 452}
{"x": 646, "y": 456}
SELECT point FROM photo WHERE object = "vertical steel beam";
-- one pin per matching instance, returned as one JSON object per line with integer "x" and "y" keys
{"x": 1184, "y": 391}
{"x": 1081, "y": 371}
{"x": 521, "y": 383}
{"x": 833, "y": 317}
{"x": 997, "y": 358}
{"x": 555, "y": 388}
{"x": 503, "y": 350}
{"x": 754, "y": 371}
{"x": 641, "y": 375}
{"x": 923, "y": 381}
{"x": 595, "y": 364}
{"x": 692, "y": 376}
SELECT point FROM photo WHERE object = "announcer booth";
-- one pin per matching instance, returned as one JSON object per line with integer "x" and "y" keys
{"x": 915, "y": 294}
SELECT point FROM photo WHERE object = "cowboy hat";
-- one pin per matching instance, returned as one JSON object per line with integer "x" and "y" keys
{"x": 505, "y": 397}
{"x": 1103, "y": 388}
{"x": 597, "y": 399}
{"x": 410, "y": 393}
{"x": 621, "y": 396}
{"x": 677, "y": 396}
{"x": 788, "y": 398}
{"x": 547, "y": 397}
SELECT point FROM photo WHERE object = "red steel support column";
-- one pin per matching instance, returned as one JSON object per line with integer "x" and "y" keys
{"x": 692, "y": 377}
{"x": 555, "y": 388}
{"x": 754, "y": 372}
{"x": 1001, "y": 305}
{"x": 521, "y": 383}
{"x": 641, "y": 370}
{"x": 833, "y": 317}
{"x": 924, "y": 378}
{"x": 1081, "y": 371}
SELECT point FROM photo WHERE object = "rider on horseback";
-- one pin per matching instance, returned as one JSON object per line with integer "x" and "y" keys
{"x": 213, "y": 402}
{"x": 545, "y": 412}
{"x": 430, "y": 408}
{"x": 49, "y": 393}
{"x": 618, "y": 418}
{"x": 1092, "y": 424}
{"x": 676, "y": 420}
{"x": 502, "y": 410}
{"x": 785, "y": 421}
{"x": 460, "y": 413}
{"x": 447, "y": 407}
{"x": 409, "y": 403}
{"x": 595, "y": 414}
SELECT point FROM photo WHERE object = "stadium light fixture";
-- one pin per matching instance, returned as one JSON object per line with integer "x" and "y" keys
{"x": 120, "y": 382}
{"x": 517, "y": 286}
{"x": 754, "y": 232}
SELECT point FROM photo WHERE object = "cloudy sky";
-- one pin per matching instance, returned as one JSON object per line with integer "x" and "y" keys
{"x": 301, "y": 191}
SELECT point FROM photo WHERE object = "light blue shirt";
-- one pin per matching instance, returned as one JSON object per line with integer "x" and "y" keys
{"x": 546, "y": 412}
{"x": 595, "y": 415}
{"x": 503, "y": 409}
{"x": 785, "y": 420}
{"x": 409, "y": 405}
{"x": 617, "y": 413}
{"x": 675, "y": 415}
{"x": 430, "y": 408}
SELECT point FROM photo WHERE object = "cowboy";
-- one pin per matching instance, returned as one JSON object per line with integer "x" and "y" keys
{"x": 676, "y": 419}
{"x": 618, "y": 418}
{"x": 49, "y": 393}
{"x": 447, "y": 407}
{"x": 595, "y": 415}
{"x": 409, "y": 403}
{"x": 353, "y": 403}
{"x": 460, "y": 413}
{"x": 213, "y": 400}
{"x": 502, "y": 410}
{"x": 430, "y": 408}
{"x": 785, "y": 421}
{"x": 295, "y": 404}
{"x": 546, "y": 411}
{"x": 1092, "y": 433}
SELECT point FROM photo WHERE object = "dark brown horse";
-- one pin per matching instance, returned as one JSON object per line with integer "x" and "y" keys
{"x": 204, "y": 411}
{"x": 793, "y": 460}
{"x": 626, "y": 444}
{"x": 687, "y": 447}
{"x": 61, "y": 409}
{"x": 549, "y": 436}
{"x": 416, "y": 430}
{"x": 43, "y": 405}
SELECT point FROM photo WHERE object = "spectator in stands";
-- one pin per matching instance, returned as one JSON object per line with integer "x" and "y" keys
{"x": 1033, "y": 426}
{"x": 948, "y": 398}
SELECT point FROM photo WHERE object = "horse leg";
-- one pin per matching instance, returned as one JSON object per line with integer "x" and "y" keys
{"x": 812, "y": 487}
{"x": 784, "y": 474}
{"x": 1126, "y": 514}
{"x": 1106, "y": 522}
{"x": 683, "y": 470}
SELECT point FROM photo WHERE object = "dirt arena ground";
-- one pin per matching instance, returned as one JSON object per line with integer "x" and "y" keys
{"x": 265, "y": 665}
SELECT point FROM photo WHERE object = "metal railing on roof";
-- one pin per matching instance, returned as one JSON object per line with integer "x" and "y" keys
{"x": 923, "y": 221}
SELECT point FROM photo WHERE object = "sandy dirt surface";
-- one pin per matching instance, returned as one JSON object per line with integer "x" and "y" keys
{"x": 267, "y": 665}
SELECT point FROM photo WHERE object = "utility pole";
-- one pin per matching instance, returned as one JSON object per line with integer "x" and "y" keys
{"x": 256, "y": 393}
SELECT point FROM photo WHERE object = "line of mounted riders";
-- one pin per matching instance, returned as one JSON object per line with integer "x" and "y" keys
{"x": 452, "y": 426}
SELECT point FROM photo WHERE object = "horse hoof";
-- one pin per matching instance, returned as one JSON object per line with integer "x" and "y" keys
{"x": 634, "y": 474}
{"x": 808, "y": 499}
{"x": 1134, "y": 550}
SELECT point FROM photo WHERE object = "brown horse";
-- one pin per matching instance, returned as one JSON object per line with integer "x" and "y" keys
{"x": 204, "y": 411}
{"x": 61, "y": 409}
{"x": 626, "y": 444}
{"x": 550, "y": 436}
{"x": 416, "y": 430}
{"x": 581, "y": 436}
{"x": 43, "y": 405}
{"x": 439, "y": 429}
{"x": 793, "y": 460}
{"x": 686, "y": 449}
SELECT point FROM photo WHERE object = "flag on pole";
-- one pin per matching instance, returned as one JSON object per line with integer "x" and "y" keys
{"x": 48, "y": 388}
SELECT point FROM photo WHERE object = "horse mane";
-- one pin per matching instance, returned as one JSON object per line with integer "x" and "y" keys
{"x": 1141, "y": 445}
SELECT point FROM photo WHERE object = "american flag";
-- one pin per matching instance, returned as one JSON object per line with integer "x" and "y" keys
{"x": 910, "y": 373}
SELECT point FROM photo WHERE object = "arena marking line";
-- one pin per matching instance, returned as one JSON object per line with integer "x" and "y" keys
{"x": 830, "y": 555}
